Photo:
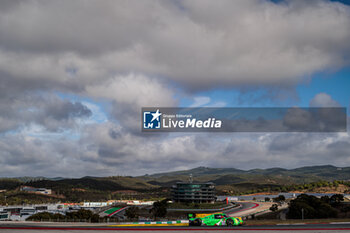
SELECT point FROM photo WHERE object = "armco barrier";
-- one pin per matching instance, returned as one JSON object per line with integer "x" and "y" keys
{"x": 206, "y": 210}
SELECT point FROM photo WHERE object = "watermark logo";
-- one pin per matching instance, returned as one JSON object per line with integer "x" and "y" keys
{"x": 211, "y": 119}
{"x": 152, "y": 120}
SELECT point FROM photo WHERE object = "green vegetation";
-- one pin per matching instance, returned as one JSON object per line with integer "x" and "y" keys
{"x": 280, "y": 198}
{"x": 159, "y": 209}
{"x": 228, "y": 181}
{"x": 259, "y": 176}
{"x": 237, "y": 189}
{"x": 78, "y": 190}
{"x": 336, "y": 199}
{"x": 95, "y": 183}
{"x": 311, "y": 207}
{"x": 132, "y": 213}
{"x": 274, "y": 207}
{"x": 45, "y": 216}
{"x": 15, "y": 198}
{"x": 78, "y": 215}
{"x": 9, "y": 183}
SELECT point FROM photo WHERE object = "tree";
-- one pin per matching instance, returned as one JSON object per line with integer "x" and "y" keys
{"x": 336, "y": 183}
{"x": 336, "y": 199}
{"x": 280, "y": 198}
{"x": 274, "y": 207}
{"x": 326, "y": 199}
{"x": 44, "y": 216}
{"x": 132, "y": 212}
{"x": 83, "y": 214}
{"x": 159, "y": 209}
{"x": 311, "y": 206}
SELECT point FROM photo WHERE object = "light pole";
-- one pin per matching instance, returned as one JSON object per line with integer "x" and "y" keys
{"x": 302, "y": 213}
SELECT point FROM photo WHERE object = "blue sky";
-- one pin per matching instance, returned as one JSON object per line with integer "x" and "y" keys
{"x": 71, "y": 93}
{"x": 335, "y": 84}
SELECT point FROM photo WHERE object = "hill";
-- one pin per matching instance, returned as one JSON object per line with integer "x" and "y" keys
{"x": 227, "y": 180}
{"x": 263, "y": 177}
{"x": 76, "y": 190}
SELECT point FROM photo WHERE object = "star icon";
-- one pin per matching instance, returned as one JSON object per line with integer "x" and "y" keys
{"x": 156, "y": 115}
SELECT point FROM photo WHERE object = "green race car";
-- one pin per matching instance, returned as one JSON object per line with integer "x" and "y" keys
{"x": 216, "y": 219}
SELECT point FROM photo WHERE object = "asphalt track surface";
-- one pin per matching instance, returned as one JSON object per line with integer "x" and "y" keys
{"x": 44, "y": 227}
{"x": 244, "y": 206}
{"x": 313, "y": 228}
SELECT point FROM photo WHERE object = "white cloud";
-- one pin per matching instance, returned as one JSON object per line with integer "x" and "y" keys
{"x": 108, "y": 149}
{"x": 198, "y": 44}
{"x": 45, "y": 110}
{"x": 200, "y": 101}
{"x": 98, "y": 114}
{"x": 129, "y": 93}
{"x": 217, "y": 104}
{"x": 323, "y": 100}
{"x": 133, "y": 89}
{"x": 133, "y": 54}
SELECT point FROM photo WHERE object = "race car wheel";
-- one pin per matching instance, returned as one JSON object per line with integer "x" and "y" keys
{"x": 197, "y": 222}
{"x": 229, "y": 222}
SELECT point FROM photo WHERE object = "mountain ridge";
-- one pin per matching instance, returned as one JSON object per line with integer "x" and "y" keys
{"x": 275, "y": 175}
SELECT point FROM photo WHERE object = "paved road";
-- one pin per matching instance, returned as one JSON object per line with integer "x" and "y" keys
{"x": 314, "y": 228}
{"x": 245, "y": 206}
{"x": 167, "y": 231}
{"x": 27, "y": 227}
{"x": 179, "y": 230}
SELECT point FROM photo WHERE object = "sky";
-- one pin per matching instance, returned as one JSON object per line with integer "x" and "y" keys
{"x": 75, "y": 74}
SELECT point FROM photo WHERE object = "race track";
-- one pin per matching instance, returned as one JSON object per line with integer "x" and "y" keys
{"x": 34, "y": 227}
{"x": 319, "y": 228}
